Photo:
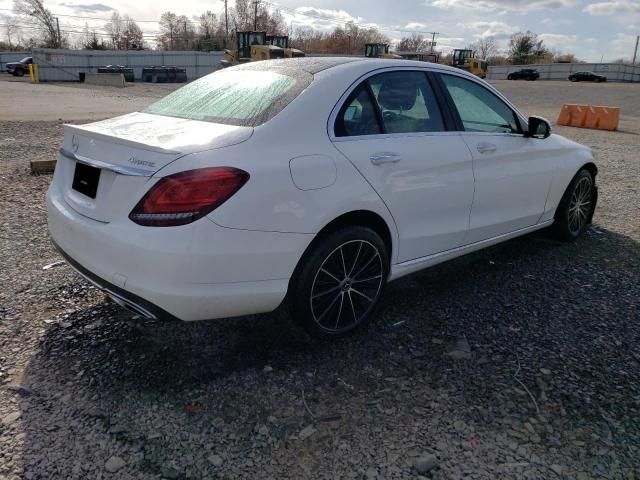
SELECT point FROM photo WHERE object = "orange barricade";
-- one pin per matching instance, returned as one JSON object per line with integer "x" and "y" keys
{"x": 589, "y": 116}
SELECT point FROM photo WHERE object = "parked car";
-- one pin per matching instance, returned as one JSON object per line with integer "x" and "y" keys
{"x": 587, "y": 77}
{"x": 524, "y": 74}
{"x": 18, "y": 69}
{"x": 200, "y": 207}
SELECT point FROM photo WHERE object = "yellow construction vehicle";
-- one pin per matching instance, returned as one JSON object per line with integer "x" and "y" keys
{"x": 378, "y": 50}
{"x": 419, "y": 56}
{"x": 251, "y": 47}
{"x": 466, "y": 60}
{"x": 282, "y": 41}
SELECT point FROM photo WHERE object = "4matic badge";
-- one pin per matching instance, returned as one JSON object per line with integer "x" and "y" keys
{"x": 142, "y": 163}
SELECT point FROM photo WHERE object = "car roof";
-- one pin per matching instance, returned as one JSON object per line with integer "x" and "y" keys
{"x": 310, "y": 65}
{"x": 313, "y": 65}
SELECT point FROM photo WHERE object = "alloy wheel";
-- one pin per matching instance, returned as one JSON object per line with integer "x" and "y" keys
{"x": 580, "y": 205}
{"x": 346, "y": 286}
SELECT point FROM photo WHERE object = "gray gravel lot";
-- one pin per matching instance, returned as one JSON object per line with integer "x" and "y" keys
{"x": 438, "y": 387}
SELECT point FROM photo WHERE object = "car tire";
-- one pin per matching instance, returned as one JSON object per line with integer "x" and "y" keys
{"x": 19, "y": 72}
{"x": 339, "y": 282}
{"x": 576, "y": 207}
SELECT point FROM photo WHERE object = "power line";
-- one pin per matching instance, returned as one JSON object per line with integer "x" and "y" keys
{"x": 331, "y": 20}
{"x": 42, "y": 29}
{"x": 342, "y": 22}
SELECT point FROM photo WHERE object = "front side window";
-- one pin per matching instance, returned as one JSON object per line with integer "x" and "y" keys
{"x": 479, "y": 109}
{"x": 406, "y": 102}
{"x": 234, "y": 97}
{"x": 391, "y": 102}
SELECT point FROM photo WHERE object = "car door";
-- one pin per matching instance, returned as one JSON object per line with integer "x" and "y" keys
{"x": 392, "y": 128}
{"x": 512, "y": 171}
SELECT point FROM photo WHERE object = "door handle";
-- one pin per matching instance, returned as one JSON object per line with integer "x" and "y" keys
{"x": 486, "y": 147}
{"x": 381, "y": 158}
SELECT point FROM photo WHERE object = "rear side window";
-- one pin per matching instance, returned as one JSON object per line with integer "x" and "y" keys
{"x": 233, "y": 97}
{"x": 391, "y": 102}
{"x": 358, "y": 116}
{"x": 479, "y": 109}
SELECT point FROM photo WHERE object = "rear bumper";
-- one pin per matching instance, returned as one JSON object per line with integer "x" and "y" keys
{"x": 117, "y": 294}
{"x": 194, "y": 272}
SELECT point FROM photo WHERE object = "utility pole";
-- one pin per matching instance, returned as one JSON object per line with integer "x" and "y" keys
{"x": 635, "y": 52}
{"x": 59, "y": 42}
{"x": 433, "y": 39}
{"x": 255, "y": 15}
{"x": 226, "y": 24}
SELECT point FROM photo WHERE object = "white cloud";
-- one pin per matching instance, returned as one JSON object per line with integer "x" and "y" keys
{"x": 622, "y": 46}
{"x": 558, "y": 41}
{"x": 492, "y": 29}
{"x": 322, "y": 18}
{"x": 504, "y": 5}
{"x": 556, "y": 22}
{"x": 613, "y": 7}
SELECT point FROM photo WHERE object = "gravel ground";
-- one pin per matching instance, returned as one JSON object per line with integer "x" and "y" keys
{"x": 520, "y": 361}
{"x": 72, "y": 101}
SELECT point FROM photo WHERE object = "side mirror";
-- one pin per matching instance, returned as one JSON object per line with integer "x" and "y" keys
{"x": 538, "y": 128}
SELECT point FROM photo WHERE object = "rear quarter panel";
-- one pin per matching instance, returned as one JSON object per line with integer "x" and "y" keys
{"x": 270, "y": 201}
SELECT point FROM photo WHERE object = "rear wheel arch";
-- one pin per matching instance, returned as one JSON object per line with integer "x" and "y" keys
{"x": 356, "y": 218}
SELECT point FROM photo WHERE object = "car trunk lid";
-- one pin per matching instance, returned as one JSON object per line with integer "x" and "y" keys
{"x": 103, "y": 167}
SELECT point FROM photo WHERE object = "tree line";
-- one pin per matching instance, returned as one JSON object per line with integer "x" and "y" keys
{"x": 214, "y": 32}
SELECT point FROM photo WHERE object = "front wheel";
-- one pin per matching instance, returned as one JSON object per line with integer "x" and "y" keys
{"x": 339, "y": 282}
{"x": 19, "y": 72}
{"x": 576, "y": 208}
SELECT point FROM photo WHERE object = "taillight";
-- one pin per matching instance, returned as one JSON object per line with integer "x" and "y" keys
{"x": 185, "y": 197}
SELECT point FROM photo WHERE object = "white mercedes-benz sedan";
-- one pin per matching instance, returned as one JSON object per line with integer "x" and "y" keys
{"x": 310, "y": 181}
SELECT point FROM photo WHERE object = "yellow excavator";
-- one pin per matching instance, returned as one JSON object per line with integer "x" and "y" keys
{"x": 466, "y": 60}
{"x": 378, "y": 50}
{"x": 282, "y": 41}
{"x": 251, "y": 47}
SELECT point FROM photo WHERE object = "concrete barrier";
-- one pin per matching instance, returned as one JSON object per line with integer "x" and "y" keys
{"x": 589, "y": 116}
{"x": 105, "y": 79}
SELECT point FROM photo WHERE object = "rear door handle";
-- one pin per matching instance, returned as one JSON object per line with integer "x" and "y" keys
{"x": 486, "y": 147}
{"x": 386, "y": 157}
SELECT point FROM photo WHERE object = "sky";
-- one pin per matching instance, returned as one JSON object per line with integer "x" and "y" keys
{"x": 592, "y": 30}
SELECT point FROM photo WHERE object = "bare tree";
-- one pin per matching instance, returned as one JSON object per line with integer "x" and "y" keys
{"x": 208, "y": 24}
{"x": 176, "y": 32}
{"x": 13, "y": 32}
{"x": 414, "y": 43}
{"x": 486, "y": 47}
{"x": 132, "y": 37}
{"x": 114, "y": 28}
{"x": 43, "y": 18}
{"x": 124, "y": 32}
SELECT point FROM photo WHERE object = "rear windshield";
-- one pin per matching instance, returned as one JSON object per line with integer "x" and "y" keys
{"x": 235, "y": 96}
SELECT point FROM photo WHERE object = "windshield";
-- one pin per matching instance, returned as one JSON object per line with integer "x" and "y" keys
{"x": 236, "y": 97}
{"x": 25, "y": 59}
